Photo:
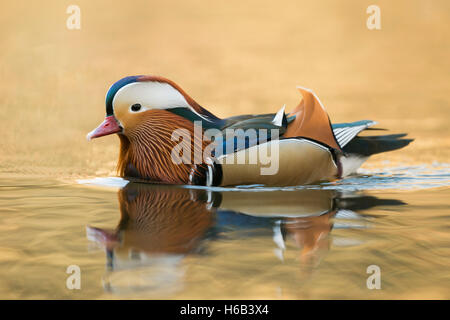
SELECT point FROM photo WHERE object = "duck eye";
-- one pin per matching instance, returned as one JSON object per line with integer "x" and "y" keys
{"x": 136, "y": 107}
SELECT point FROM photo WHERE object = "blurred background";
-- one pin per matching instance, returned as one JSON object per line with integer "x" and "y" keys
{"x": 232, "y": 57}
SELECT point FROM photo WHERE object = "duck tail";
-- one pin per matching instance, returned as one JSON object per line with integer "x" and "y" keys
{"x": 369, "y": 145}
{"x": 359, "y": 149}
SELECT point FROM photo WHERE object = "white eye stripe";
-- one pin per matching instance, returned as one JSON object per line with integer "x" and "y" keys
{"x": 151, "y": 95}
{"x": 154, "y": 95}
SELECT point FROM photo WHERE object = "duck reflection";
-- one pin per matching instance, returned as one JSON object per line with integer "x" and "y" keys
{"x": 159, "y": 225}
{"x": 156, "y": 219}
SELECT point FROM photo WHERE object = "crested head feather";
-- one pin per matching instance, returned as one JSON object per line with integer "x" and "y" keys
{"x": 153, "y": 92}
{"x": 113, "y": 90}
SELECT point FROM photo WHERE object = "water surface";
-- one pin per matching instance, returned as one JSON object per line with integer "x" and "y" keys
{"x": 134, "y": 240}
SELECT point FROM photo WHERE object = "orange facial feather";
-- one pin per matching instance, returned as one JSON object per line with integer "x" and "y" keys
{"x": 146, "y": 145}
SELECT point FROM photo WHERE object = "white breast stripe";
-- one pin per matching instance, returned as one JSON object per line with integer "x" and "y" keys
{"x": 152, "y": 95}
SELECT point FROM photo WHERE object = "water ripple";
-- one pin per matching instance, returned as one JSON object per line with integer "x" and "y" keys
{"x": 400, "y": 178}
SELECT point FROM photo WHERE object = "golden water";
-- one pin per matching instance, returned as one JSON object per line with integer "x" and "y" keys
{"x": 232, "y": 57}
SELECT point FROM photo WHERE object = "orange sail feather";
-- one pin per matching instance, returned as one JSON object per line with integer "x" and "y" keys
{"x": 311, "y": 121}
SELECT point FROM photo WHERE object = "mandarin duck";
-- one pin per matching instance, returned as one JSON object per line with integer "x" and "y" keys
{"x": 167, "y": 137}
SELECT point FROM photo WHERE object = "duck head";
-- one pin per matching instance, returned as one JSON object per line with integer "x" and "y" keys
{"x": 145, "y": 111}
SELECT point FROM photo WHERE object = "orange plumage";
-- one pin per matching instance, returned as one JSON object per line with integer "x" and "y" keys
{"x": 147, "y": 145}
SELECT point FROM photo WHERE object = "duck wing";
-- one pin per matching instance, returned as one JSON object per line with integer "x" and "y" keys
{"x": 245, "y": 131}
{"x": 345, "y": 132}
